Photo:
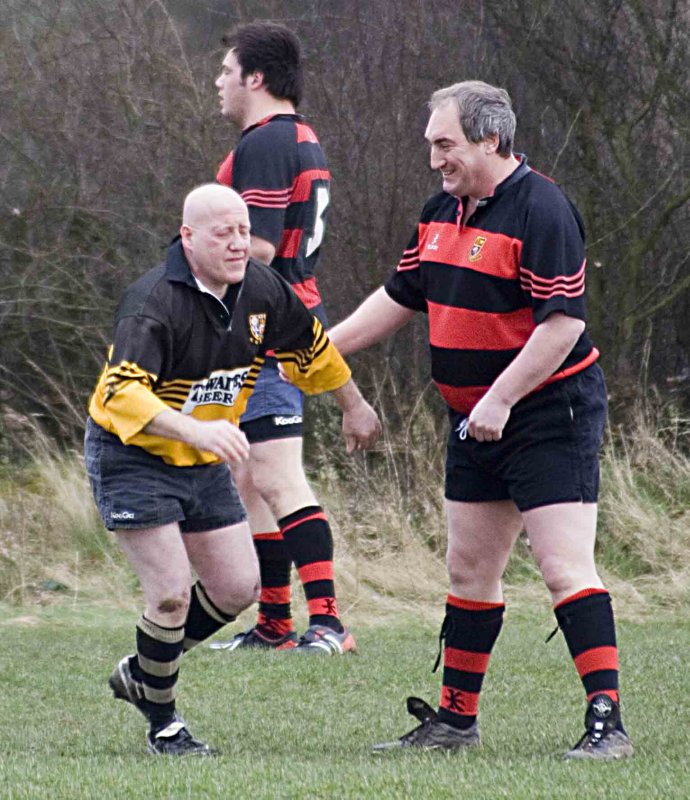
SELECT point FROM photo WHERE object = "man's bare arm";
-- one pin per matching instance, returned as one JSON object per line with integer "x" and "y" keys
{"x": 376, "y": 318}
{"x": 261, "y": 250}
{"x": 219, "y": 436}
{"x": 544, "y": 352}
{"x": 361, "y": 425}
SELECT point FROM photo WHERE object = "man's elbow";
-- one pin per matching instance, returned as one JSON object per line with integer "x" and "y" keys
{"x": 262, "y": 250}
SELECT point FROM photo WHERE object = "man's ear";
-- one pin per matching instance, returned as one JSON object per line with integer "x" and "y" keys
{"x": 255, "y": 80}
{"x": 491, "y": 144}
{"x": 186, "y": 234}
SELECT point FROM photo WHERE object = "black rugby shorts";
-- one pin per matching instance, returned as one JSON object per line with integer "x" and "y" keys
{"x": 134, "y": 489}
{"x": 549, "y": 452}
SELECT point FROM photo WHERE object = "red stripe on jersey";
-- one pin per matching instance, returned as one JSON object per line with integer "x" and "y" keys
{"x": 224, "y": 174}
{"x": 544, "y": 288}
{"x": 261, "y": 199}
{"x": 459, "y": 702}
{"x": 273, "y": 536}
{"x": 471, "y": 605}
{"x": 555, "y": 293}
{"x": 461, "y": 398}
{"x": 409, "y": 260}
{"x": 318, "y": 571}
{"x": 276, "y": 594}
{"x": 564, "y": 373}
{"x": 290, "y": 242}
{"x": 465, "y": 398}
{"x": 472, "y": 248}
{"x": 595, "y": 659}
{"x": 305, "y": 133}
{"x": 546, "y": 282}
{"x": 301, "y": 188}
{"x": 308, "y": 292}
{"x": 463, "y": 329}
{"x": 466, "y": 660}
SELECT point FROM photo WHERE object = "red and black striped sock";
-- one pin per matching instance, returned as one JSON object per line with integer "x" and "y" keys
{"x": 586, "y": 619}
{"x": 308, "y": 539}
{"x": 470, "y": 629}
{"x": 275, "y": 617}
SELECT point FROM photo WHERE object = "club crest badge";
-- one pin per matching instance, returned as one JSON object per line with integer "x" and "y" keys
{"x": 475, "y": 252}
{"x": 257, "y": 326}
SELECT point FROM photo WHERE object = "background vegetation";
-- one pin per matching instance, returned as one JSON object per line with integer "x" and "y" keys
{"x": 109, "y": 117}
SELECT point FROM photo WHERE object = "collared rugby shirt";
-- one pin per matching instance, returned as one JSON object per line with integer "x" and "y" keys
{"x": 178, "y": 346}
{"x": 280, "y": 170}
{"x": 487, "y": 284}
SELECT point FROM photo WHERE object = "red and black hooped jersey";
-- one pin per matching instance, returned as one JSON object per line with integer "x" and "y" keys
{"x": 280, "y": 170}
{"x": 488, "y": 283}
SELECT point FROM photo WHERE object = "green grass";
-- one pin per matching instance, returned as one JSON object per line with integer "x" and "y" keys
{"x": 300, "y": 727}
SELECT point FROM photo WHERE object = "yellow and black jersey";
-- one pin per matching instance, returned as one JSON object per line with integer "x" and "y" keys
{"x": 178, "y": 346}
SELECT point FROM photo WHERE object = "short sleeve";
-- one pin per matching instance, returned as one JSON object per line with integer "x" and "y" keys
{"x": 404, "y": 285}
{"x": 552, "y": 262}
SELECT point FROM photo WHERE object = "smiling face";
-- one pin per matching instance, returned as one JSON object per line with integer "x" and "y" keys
{"x": 215, "y": 236}
{"x": 466, "y": 167}
{"x": 232, "y": 90}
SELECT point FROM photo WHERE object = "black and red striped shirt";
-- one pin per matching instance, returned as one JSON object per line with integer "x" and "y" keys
{"x": 488, "y": 283}
{"x": 280, "y": 170}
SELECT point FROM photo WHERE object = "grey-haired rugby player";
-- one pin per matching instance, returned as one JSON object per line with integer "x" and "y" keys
{"x": 497, "y": 262}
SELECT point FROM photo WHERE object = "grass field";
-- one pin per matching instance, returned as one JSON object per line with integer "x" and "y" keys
{"x": 300, "y": 727}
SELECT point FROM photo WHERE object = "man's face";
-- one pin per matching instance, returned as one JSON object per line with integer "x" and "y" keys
{"x": 232, "y": 89}
{"x": 218, "y": 247}
{"x": 462, "y": 164}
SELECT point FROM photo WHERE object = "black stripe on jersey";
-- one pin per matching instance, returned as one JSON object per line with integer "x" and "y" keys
{"x": 464, "y": 288}
{"x": 172, "y": 397}
{"x": 481, "y": 366}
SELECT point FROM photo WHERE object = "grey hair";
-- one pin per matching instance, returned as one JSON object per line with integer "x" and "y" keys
{"x": 484, "y": 110}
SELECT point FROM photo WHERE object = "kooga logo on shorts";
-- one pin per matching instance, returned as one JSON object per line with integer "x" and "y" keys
{"x": 221, "y": 388}
{"x": 287, "y": 420}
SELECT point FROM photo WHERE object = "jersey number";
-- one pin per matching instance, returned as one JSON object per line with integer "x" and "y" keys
{"x": 322, "y": 200}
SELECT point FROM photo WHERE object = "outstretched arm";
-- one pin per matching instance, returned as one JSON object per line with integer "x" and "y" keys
{"x": 376, "y": 318}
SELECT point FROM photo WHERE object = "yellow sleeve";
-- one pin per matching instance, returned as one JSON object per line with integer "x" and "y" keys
{"x": 317, "y": 368}
{"x": 123, "y": 401}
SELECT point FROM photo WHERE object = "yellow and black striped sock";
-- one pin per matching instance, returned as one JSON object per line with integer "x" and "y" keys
{"x": 158, "y": 654}
{"x": 204, "y": 618}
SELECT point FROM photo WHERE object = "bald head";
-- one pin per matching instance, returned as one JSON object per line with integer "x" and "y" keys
{"x": 215, "y": 236}
{"x": 210, "y": 202}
